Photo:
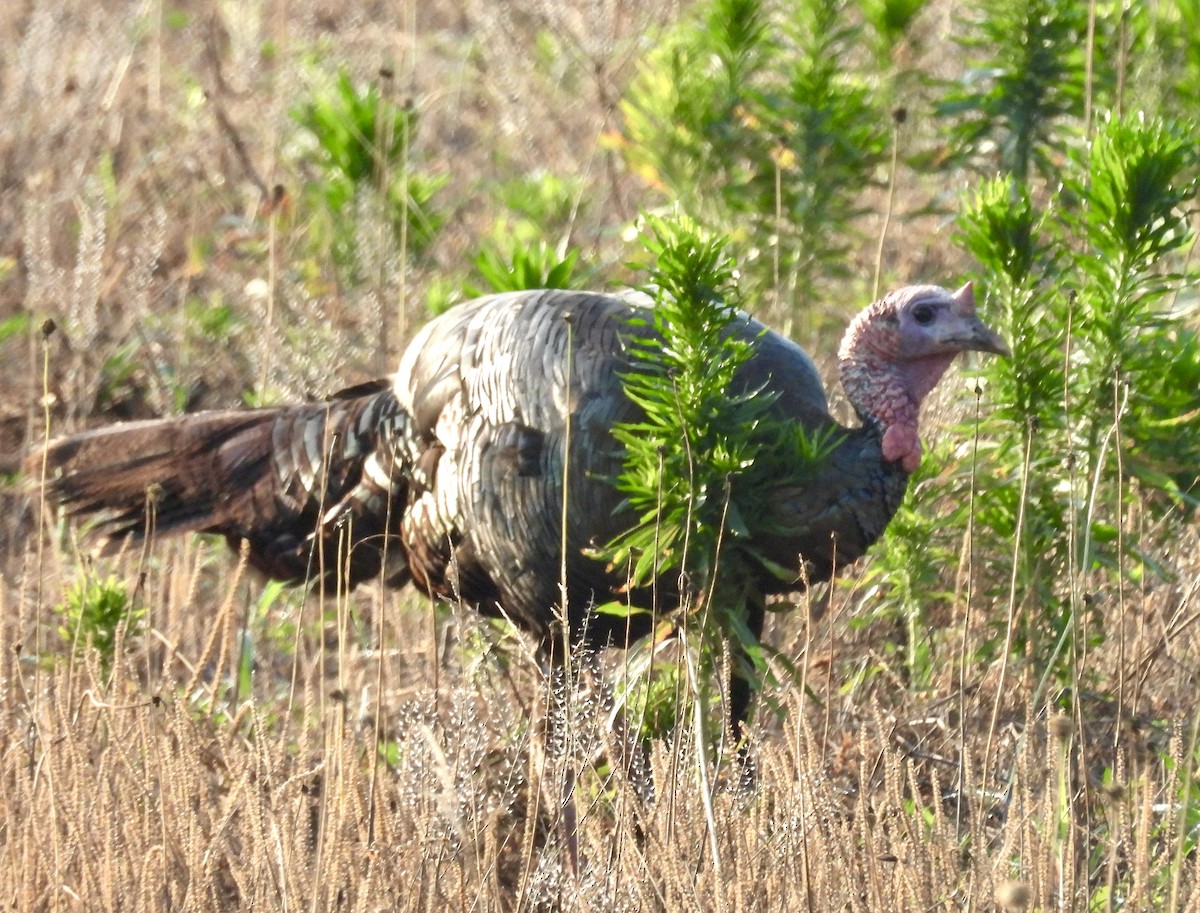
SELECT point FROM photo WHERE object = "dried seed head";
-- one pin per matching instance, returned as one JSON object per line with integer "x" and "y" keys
{"x": 1060, "y": 727}
{"x": 1012, "y": 895}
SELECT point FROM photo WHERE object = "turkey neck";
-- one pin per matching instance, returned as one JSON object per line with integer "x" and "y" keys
{"x": 828, "y": 518}
{"x": 832, "y": 515}
{"x": 886, "y": 392}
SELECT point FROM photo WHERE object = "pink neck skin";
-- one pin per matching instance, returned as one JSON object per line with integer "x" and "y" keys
{"x": 885, "y": 390}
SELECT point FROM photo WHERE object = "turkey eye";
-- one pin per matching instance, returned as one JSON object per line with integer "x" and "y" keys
{"x": 923, "y": 314}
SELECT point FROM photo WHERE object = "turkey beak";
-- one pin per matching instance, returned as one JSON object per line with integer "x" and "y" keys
{"x": 973, "y": 334}
{"x": 979, "y": 337}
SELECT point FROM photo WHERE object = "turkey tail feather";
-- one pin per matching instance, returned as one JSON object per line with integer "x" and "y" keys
{"x": 169, "y": 465}
{"x": 310, "y": 488}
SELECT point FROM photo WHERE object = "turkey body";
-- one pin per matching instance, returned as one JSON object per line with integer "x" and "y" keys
{"x": 513, "y": 400}
{"x": 459, "y": 473}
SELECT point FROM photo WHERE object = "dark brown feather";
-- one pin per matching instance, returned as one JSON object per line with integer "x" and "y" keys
{"x": 290, "y": 482}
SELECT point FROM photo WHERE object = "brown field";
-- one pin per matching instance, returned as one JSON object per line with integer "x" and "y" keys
{"x": 227, "y": 760}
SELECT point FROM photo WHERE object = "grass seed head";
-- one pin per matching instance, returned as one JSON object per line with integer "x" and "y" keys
{"x": 1060, "y": 727}
{"x": 1012, "y": 895}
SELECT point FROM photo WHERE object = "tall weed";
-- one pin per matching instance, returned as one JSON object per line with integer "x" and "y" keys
{"x": 752, "y": 119}
{"x": 1015, "y": 105}
{"x": 1101, "y": 389}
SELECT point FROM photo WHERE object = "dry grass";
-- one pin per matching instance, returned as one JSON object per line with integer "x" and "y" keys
{"x": 228, "y": 760}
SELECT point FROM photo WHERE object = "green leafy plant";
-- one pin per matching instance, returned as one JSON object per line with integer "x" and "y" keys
{"x": 1139, "y": 182}
{"x": 763, "y": 133}
{"x": 1025, "y": 432}
{"x": 836, "y": 135}
{"x": 903, "y": 582}
{"x": 891, "y": 20}
{"x": 516, "y": 253}
{"x": 93, "y": 613}
{"x": 1164, "y": 57}
{"x": 1102, "y": 382}
{"x": 363, "y": 153}
{"x": 687, "y": 113}
{"x": 541, "y": 198}
{"x": 1102, "y": 388}
{"x": 15, "y": 325}
{"x": 524, "y": 265}
{"x": 1015, "y": 103}
{"x": 702, "y": 463}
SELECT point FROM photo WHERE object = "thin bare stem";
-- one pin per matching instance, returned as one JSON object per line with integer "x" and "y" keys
{"x": 1011, "y": 625}
{"x": 897, "y": 119}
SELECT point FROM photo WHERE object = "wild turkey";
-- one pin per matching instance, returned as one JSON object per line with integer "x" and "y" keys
{"x": 452, "y": 474}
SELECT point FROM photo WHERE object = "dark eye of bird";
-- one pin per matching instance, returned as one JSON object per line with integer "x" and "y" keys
{"x": 923, "y": 314}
